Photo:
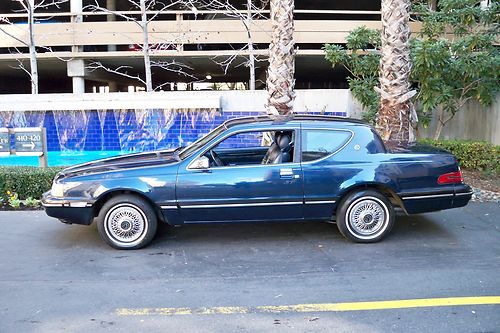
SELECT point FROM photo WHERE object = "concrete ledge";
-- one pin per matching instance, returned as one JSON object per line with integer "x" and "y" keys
{"x": 321, "y": 100}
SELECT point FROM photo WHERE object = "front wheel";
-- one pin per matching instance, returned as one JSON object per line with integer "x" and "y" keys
{"x": 365, "y": 216}
{"x": 127, "y": 222}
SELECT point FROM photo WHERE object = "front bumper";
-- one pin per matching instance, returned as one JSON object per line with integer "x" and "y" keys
{"x": 68, "y": 210}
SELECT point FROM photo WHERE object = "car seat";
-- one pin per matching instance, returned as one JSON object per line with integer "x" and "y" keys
{"x": 280, "y": 150}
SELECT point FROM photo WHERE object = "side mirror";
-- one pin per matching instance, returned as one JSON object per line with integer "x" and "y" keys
{"x": 200, "y": 163}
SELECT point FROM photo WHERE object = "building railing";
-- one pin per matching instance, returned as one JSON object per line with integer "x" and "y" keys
{"x": 89, "y": 34}
{"x": 185, "y": 27}
{"x": 69, "y": 15}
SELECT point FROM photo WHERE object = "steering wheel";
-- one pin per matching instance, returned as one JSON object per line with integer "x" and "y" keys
{"x": 216, "y": 158}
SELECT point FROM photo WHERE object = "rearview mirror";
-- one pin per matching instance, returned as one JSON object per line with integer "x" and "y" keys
{"x": 200, "y": 163}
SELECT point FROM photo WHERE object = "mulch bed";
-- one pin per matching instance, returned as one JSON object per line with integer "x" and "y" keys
{"x": 480, "y": 180}
{"x": 6, "y": 207}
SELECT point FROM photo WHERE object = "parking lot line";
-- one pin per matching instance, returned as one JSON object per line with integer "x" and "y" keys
{"x": 317, "y": 307}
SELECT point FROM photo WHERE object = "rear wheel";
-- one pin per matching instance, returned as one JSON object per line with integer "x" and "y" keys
{"x": 127, "y": 222}
{"x": 365, "y": 216}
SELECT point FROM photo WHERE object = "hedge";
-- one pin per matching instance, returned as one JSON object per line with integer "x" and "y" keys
{"x": 474, "y": 155}
{"x": 26, "y": 181}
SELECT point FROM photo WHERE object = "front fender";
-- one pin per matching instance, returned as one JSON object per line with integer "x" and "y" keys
{"x": 158, "y": 190}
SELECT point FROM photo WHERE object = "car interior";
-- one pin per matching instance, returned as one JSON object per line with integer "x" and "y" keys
{"x": 279, "y": 150}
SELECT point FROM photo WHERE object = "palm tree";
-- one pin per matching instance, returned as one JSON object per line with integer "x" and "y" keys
{"x": 280, "y": 74}
{"x": 397, "y": 113}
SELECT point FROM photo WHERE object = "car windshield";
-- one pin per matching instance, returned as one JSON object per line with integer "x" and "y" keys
{"x": 191, "y": 149}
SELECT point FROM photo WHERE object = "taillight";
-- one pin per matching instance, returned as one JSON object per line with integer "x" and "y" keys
{"x": 451, "y": 178}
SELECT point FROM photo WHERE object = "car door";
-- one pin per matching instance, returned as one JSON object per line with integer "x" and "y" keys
{"x": 253, "y": 192}
{"x": 322, "y": 172}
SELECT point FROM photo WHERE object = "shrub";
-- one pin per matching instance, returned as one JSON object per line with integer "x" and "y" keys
{"x": 26, "y": 181}
{"x": 475, "y": 155}
{"x": 31, "y": 202}
{"x": 13, "y": 201}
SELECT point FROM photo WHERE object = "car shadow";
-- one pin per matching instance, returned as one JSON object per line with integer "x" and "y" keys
{"x": 242, "y": 231}
{"x": 68, "y": 236}
{"x": 278, "y": 248}
{"x": 405, "y": 228}
{"x": 420, "y": 226}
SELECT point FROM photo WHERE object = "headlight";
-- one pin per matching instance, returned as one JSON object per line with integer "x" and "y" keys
{"x": 58, "y": 189}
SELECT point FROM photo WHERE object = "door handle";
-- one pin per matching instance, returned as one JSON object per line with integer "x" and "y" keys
{"x": 288, "y": 173}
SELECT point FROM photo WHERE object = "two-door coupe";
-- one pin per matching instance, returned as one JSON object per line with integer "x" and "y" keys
{"x": 302, "y": 168}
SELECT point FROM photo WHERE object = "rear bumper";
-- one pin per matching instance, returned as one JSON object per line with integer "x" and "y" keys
{"x": 445, "y": 198}
{"x": 463, "y": 194}
{"x": 68, "y": 211}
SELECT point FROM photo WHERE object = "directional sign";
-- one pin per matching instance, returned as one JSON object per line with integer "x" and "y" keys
{"x": 28, "y": 141}
{"x": 4, "y": 142}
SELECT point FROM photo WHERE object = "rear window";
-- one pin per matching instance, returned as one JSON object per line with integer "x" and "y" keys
{"x": 317, "y": 144}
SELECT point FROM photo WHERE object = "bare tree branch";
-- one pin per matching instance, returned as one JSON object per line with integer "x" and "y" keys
{"x": 21, "y": 64}
{"x": 121, "y": 70}
{"x": 14, "y": 37}
{"x": 29, "y": 7}
{"x": 247, "y": 18}
{"x": 98, "y": 8}
{"x": 147, "y": 47}
{"x": 47, "y": 4}
{"x": 164, "y": 8}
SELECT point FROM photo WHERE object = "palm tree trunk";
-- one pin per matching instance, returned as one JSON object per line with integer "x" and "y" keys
{"x": 397, "y": 114}
{"x": 280, "y": 75}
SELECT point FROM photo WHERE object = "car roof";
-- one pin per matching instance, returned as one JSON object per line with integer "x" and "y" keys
{"x": 302, "y": 118}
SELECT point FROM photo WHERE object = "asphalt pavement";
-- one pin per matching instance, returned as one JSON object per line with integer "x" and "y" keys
{"x": 436, "y": 272}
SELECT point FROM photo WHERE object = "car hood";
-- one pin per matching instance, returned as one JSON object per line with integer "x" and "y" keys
{"x": 120, "y": 163}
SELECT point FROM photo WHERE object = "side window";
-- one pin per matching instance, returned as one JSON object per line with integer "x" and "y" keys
{"x": 253, "y": 148}
{"x": 317, "y": 144}
{"x": 246, "y": 140}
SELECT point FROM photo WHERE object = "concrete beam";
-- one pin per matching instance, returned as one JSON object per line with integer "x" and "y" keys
{"x": 183, "y": 32}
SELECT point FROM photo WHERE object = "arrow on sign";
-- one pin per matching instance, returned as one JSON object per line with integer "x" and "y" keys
{"x": 30, "y": 145}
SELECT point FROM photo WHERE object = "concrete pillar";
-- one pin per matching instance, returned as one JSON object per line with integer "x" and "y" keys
{"x": 76, "y": 8}
{"x": 76, "y": 17}
{"x": 111, "y": 6}
{"x": 179, "y": 18}
{"x": 78, "y": 85}
{"x": 76, "y": 70}
{"x": 113, "y": 86}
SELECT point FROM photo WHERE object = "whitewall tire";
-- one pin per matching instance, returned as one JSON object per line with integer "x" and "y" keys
{"x": 127, "y": 222}
{"x": 365, "y": 216}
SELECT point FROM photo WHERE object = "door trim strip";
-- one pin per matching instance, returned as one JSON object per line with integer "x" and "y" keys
{"x": 256, "y": 204}
{"x": 429, "y": 196}
{"x": 320, "y": 202}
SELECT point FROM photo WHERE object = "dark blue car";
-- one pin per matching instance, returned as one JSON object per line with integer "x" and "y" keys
{"x": 302, "y": 168}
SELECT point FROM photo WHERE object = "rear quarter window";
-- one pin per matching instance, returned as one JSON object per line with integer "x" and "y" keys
{"x": 317, "y": 144}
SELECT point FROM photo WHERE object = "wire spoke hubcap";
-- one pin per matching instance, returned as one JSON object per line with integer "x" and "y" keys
{"x": 126, "y": 223}
{"x": 367, "y": 217}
